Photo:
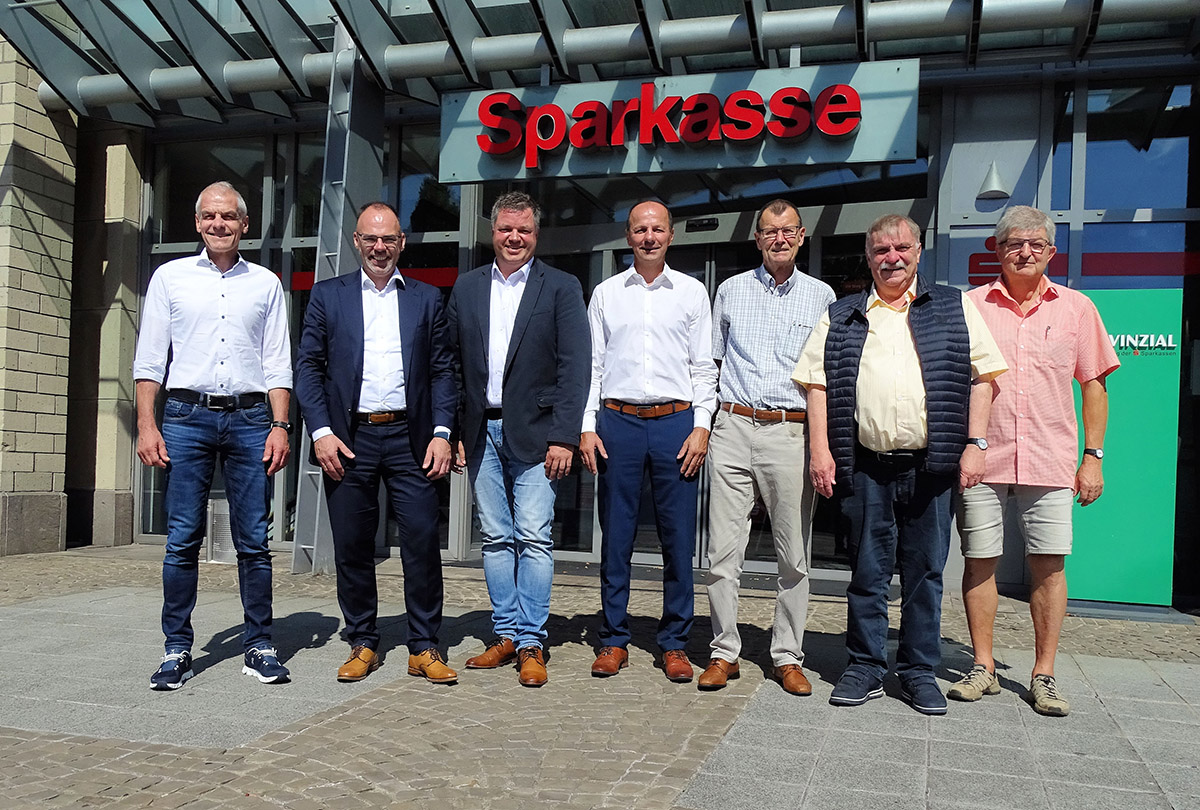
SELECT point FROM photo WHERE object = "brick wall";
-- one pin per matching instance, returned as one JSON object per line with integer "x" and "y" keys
{"x": 37, "y": 193}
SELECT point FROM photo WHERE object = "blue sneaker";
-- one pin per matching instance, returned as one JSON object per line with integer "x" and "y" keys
{"x": 176, "y": 668}
{"x": 855, "y": 688}
{"x": 924, "y": 696}
{"x": 262, "y": 664}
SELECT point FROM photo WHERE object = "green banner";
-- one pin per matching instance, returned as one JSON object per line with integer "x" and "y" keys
{"x": 1124, "y": 542}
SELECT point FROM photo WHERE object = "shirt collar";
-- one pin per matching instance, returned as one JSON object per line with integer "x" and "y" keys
{"x": 368, "y": 284}
{"x": 1047, "y": 290}
{"x": 873, "y": 300}
{"x": 203, "y": 259}
{"x": 519, "y": 275}
{"x": 768, "y": 280}
{"x": 665, "y": 279}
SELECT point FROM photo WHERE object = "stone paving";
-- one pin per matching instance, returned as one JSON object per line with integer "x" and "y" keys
{"x": 94, "y": 735}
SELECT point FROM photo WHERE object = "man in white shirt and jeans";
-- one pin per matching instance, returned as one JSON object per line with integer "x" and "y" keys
{"x": 651, "y": 402}
{"x": 228, "y": 391}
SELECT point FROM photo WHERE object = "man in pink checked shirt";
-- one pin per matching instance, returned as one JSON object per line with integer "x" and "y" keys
{"x": 1049, "y": 335}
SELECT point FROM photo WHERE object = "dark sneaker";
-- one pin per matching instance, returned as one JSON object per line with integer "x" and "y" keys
{"x": 1046, "y": 699}
{"x": 855, "y": 688}
{"x": 924, "y": 696}
{"x": 176, "y": 668}
{"x": 262, "y": 664}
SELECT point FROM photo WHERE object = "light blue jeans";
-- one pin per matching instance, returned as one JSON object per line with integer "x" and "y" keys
{"x": 514, "y": 504}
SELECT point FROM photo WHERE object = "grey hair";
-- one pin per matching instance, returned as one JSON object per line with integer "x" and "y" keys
{"x": 889, "y": 222}
{"x": 517, "y": 201}
{"x": 1023, "y": 218}
{"x": 222, "y": 185}
{"x": 778, "y": 208}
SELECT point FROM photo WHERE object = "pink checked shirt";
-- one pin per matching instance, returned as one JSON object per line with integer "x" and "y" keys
{"x": 1032, "y": 435}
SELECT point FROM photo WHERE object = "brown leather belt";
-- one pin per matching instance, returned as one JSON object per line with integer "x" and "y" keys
{"x": 647, "y": 411}
{"x": 764, "y": 416}
{"x": 380, "y": 417}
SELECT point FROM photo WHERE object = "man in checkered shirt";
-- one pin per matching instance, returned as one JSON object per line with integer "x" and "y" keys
{"x": 1049, "y": 335}
{"x": 761, "y": 320}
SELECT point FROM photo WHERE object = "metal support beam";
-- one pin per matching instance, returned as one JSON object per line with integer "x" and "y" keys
{"x": 461, "y": 29}
{"x": 755, "y": 9}
{"x": 555, "y": 20}
{"x": 374, "y": 34}
{"x": 653, "y": 13}
{"x": 64, "y": 66}
{"x": 134, "y": 55}
{"x": 289, "y": 39}
{"x": 1087, "y": 33}
{"x": 211, "y": 48}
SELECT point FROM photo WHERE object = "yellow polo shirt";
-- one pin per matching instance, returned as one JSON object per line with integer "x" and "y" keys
{"x": 889, "y": 401}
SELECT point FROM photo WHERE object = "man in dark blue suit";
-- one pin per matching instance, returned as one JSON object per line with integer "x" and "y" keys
{"x": 519, "y": 329}
{"x": 375, "y": 383}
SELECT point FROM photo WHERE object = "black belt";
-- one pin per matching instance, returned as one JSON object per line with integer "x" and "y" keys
{"x": 493, "y": 413}
{"x": 218, "y": 402}
{"x": 892, "y": 456}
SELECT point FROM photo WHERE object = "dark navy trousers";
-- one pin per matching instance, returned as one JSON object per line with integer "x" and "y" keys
{"x": 637, "y": 447}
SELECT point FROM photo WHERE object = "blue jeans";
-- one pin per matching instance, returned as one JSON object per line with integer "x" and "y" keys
{"x": 195, "y": 438}
{"x": 897, "y": 513}
{"x": 634, "y": 446}
{"x": 514, "y": 503}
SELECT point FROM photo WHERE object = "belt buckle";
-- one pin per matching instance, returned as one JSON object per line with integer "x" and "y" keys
{"x": 646, "y": 411}
{"x": 220, "y": 402}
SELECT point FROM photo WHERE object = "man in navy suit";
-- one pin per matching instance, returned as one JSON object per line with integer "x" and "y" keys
{"x": 519, "y": 329}
{"x": 375, "y": 382}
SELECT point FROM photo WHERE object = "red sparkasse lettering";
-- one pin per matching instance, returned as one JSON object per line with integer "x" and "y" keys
{"x": 701, "y": 118}
{"x": 792, "y": 109}
{"x": 591, "y": 125}
{"x": 838, "y": 110}
{"x": 654, "y": 118}
{"x": 535, "y": 142}
{"x": 621, "y": 109}
{"x": 744, "y": 109}
{"x": 492, "y": 117}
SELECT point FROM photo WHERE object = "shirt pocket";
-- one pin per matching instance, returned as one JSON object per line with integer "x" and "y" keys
{"x": 1058, "y": 346}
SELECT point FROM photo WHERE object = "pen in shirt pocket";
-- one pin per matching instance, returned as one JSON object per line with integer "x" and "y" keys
{"x": 1047, "y": 335}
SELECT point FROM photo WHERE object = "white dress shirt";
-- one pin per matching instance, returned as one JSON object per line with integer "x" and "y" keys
{"x": 383, "y": 361}
{"x": 228, "y": 330}
{"x": 503, "y": 301}
{"x": 651, "y": 344}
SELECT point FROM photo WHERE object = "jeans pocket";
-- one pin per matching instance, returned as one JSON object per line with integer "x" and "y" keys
{"x": 258, "y": 415}
{"x": 177, "y": 409}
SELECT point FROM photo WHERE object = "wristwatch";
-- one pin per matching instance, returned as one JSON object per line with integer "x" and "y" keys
{"x": 287, "y": 426}
{"x": 1098, "y": 452}
{"x": 982, "y": 444}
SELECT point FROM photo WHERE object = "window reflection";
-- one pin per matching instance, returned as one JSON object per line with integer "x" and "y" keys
{"x": 183, "y": 170}
{"x": 425, "y": 204}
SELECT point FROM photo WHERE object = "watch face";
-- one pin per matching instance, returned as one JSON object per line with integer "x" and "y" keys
{"x": 982, "y": 444}
{"x": 1097, "y": 452}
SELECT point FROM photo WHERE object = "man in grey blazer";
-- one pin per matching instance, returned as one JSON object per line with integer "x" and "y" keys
{"x": 519, "y": 332}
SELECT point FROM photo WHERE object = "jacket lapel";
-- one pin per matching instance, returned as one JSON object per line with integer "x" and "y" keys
{"x": 533, "y": 287}
{"x": 352, "y": 309}
{"x": 409, "y": 317}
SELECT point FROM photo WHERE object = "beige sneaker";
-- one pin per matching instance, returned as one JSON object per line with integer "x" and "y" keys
{"x": 975, "y": 684}
{"x": 1045, "y": 697}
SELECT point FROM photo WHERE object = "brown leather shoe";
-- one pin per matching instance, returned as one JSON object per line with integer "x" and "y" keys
{"x": 431, "y": 665}
{"x": 718, "y": 673}
{"x": 498, "y": 653}
{"x": 791, "y": 677}
{"x": 677, "y": 666}
{"x": 533, "y": 666}
{"x": 610, "y": 661}
{"x": 361, "y": 663}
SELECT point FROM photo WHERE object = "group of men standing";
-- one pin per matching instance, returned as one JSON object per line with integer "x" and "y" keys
{"x": 883, "y": 397}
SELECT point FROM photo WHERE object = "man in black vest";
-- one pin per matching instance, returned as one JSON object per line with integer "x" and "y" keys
{"x": 899, "y": 392}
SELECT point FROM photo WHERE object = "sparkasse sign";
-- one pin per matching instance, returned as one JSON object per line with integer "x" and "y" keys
{"x": 785, "y": 117}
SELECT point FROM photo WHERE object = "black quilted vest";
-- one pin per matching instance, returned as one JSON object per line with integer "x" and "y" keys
{"x": 944, "y": 348}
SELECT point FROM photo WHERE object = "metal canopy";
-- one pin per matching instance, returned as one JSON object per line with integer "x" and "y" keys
{"x": 128, "y": 60}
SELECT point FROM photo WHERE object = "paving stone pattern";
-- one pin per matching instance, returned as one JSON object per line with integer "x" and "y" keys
{"x": 79, "y": 726}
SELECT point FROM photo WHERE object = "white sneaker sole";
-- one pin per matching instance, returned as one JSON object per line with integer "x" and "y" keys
{"x": 263, "y": 678}
{"x": 938, "y": 710}
{"x": 844, "y": 701}
{"x": 167, "y": 687}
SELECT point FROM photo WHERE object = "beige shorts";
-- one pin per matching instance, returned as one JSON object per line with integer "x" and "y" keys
{"x": 1043, "y": 515}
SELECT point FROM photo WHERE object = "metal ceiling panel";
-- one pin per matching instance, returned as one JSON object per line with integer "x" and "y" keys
{"x": 652, "y": 14}
{"x": 289, "y": 39}
{"x": 461, "y": 29}
{"x": 373, "y": 32}
{"x": 62, "y": 63}
{"x": 133, "y": 54}
{"x": 210, "y": 47}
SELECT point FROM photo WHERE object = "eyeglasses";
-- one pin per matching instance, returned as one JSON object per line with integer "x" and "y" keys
{"x": 369, "y": 240}
{"x": 789, "y": 233}
{"x": 1036, "y": 246}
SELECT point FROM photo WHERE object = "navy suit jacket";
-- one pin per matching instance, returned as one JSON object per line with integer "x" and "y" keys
{"x": 548, "y": 368}
{"x": 329, "y": 365}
